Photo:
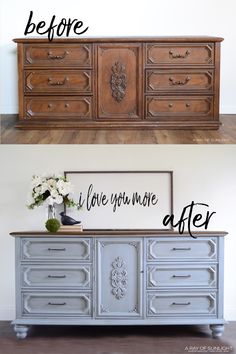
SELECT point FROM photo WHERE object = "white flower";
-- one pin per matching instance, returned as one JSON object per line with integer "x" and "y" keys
{"x": 37, "y": 192}
{"x": 44, "y": 187}
{"x": 57, "y": 198}
{"x": 64, "y": 188}
{"x": 50, "y": 200}
{"x": 52, "y": 184}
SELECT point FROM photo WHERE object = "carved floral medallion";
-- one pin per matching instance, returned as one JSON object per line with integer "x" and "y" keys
{"x": 119, "y": 278}
{"x": 118, "y": 81}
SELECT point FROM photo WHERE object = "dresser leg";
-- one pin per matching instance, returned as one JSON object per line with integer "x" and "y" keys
{"x": 217, "y": 330}
{"x": 21, "y": 331}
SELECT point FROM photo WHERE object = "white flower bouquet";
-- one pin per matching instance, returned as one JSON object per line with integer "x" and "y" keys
{"x": 50, "y": 189}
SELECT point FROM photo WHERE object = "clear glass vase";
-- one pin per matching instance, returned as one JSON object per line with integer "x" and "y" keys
{"x": 51, "y": 211}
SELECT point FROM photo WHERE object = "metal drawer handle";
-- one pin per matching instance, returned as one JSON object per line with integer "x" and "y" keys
{"x": 179, "y": 82}
{"x": 181, "y": 276}
{"x": 56, "y": 249}
{"x": 181, "y": 303}
{"x": 181, "y": 248}
{"x": 179, "y": 56}
{"x": 55, "y": 57}
{"x": 57, "y": 303}
{"x": 57, "y": 276}
{"x": 57, "y": 83}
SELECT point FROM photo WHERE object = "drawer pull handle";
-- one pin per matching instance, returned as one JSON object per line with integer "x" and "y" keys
{"x": 181, "y": 248}
{"x": 67, "y": 105}
{"x": 57, "y": 57}
{"x": 56, "y": 249}
{"x": 170, "y": 105}
{"x": 57, "y": 276}
{"x": 181, "y": 303}
{"x": 57, "y": 83}
{"x": 181, "y": 276}
{"x": 188, "y": 105}
{"x": 57, "y": 303}
{"x": 179, "y": 56}
{"x": 179, "y": 82}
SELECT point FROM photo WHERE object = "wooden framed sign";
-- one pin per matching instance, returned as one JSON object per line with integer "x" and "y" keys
{"x": 122, "y": 200}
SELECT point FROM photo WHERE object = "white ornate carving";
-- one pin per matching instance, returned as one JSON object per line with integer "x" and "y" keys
{"x": 119, "y": 279}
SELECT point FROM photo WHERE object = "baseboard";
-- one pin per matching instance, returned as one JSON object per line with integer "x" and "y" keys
{"x": 7, "y": 313}
{"x": 230, "y": 313}
{"x": 228, "y": 110}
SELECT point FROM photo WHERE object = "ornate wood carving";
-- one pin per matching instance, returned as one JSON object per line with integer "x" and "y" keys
{"x": 119, "y": 279}
{"x": 118, "y": 81}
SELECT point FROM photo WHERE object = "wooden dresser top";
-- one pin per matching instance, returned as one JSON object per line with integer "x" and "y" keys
{"x": 116, "y": 233}
{"x": 171, "y": 39}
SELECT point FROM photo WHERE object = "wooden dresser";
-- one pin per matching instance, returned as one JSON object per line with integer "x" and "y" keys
{"x": 151, "y": 82}
{"x": 119, "y": 278}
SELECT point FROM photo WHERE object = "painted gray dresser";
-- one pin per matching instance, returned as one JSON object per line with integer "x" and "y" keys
{"x": 119, "y": 278}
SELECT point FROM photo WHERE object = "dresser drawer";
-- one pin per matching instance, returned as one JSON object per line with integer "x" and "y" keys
{"x": 44, "y": 81}
{"x": 56, "y": 304}
{"x": 51, "y": 250}
{"x": 181, "y": 304}
{"x": 54, "y": 55}
{"x": 56, "y": 276}
{"x": 176, "y": 54}
{"x": 58, "y": 107}
{"x": 160, "y": 276}
{"x": 179, "y": 80}
{"x": 179, "y": 107}
{"x": 181, "y": 249}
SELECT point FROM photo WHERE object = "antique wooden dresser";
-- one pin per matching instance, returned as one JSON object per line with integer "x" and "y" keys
{"x": 151, "y": 82}
{"x": 119, "y": 278}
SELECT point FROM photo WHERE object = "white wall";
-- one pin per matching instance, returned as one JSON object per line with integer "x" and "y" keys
{"x": 122, "y": 18}
{"x": 201, "y": 173}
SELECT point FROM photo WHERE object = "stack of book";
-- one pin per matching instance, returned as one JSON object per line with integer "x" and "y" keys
{"x": 73, "y": 228}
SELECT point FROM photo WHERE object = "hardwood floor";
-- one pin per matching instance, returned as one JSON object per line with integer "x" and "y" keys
{"x": 225, "y": 135}
{"x": 117, "y": 340}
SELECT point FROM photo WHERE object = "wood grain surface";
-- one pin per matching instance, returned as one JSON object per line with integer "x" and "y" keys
{"x": 10, "y": 135}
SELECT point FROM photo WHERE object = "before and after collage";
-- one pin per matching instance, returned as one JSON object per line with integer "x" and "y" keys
{"x": 118, "y": 177}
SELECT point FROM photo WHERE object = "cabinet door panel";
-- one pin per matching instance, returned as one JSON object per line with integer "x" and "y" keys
{"x": 119, "y": 81}
{"x": 119, "y": 278}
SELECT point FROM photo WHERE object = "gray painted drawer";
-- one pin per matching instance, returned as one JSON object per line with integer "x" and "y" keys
{"x": 181, "y": 304}
{"x": 193, "y": 275}
{"x": 59, "y": 249}
{"x": 56, "y": 276}
{"x": 182, "y": 248}
{"x": 56, "y": 304}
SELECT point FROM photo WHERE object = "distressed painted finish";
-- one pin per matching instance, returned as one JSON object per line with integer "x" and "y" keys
{"x": 113, "y": 278}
